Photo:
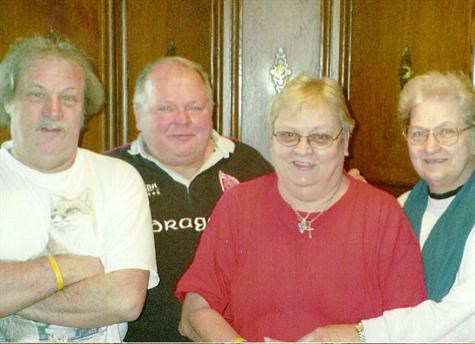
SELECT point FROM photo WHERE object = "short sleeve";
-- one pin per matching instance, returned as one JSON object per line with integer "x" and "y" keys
{"x": 128, "y": 242}
{"x": 216, "y": 259}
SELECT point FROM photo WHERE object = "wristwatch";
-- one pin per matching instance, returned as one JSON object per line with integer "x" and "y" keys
{"x": 359, "y": 327}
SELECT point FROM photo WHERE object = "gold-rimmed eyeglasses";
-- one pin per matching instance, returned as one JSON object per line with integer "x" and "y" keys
{"x": 318, "y": 140}
{"x": 446, "y": 135}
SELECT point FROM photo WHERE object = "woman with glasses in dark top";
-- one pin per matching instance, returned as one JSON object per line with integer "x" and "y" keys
{"x": 305, "y": 246}
{"x": 438, "y": 113}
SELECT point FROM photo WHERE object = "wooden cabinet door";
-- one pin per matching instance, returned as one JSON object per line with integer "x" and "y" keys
{"x": 158, "y": 28}
{"x": 439, "y": 36}
{"x": 83, "y": 22}
{"x": 121, "y": 37}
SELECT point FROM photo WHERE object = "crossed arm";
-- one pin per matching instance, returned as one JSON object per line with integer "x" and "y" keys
{"x": 90, "y": 297}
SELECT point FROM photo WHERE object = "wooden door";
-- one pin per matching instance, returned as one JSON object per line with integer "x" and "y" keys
{"x": 121, "y": 37}
{"x": 274, "y": 31}
{"x": 438, "y": 34}
{"x": 154, "y": 29}
{"x": 84, "y": 22}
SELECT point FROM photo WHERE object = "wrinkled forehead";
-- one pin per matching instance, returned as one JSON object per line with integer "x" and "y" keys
{"x": 168, "y": 76}
{"x": 431, "y": 107}
{"x": 52, "y": 68}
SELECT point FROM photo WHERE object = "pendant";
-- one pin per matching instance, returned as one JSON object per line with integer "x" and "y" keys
{"x": 303, "y": 226}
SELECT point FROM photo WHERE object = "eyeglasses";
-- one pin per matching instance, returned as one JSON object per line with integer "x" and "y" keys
{"x": 445, "y": 136}
{"x": 317, "y": 140}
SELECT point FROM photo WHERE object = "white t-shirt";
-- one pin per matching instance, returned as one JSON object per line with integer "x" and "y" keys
{"x": 97, "y": 207}
{"x": 452, "y": 319}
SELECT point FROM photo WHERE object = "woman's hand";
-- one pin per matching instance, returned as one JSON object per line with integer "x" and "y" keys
{"x": 332, "y": 333}
{"x": 355, "y": 173}
{"x": 272, "y": 340}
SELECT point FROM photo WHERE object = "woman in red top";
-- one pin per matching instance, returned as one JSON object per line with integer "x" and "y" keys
{"x": 305, "y": 246}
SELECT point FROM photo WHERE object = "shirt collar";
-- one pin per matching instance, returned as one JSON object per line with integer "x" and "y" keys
{"x": 223, "y": 148}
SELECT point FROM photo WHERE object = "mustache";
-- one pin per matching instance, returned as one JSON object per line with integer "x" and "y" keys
{"x": 49, "y": 124}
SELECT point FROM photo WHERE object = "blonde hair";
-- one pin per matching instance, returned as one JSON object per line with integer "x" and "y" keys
{"x": 443, "y": 86}
{"x": 310, "y": 90}
{"x": 25, "y": 50}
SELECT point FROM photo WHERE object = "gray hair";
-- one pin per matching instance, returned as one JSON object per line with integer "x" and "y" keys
{"x": 447, "y": 86}
{"x": 25, "y": 50}
{"x": 308, "y": 89}
{"x": 140, "y": 95}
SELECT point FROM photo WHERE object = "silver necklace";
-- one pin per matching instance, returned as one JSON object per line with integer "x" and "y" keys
{"x": 304, "y": 223}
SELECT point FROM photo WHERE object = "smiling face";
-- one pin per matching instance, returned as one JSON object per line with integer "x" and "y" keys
{"x": 175, "y": 118}
{"x": 444, "y": 168}
{"x": 307, "y": 173}
{"x": 46, "y": 113}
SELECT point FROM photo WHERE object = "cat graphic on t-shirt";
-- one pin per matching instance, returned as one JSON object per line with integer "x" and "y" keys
{"x": 72, "y": 230}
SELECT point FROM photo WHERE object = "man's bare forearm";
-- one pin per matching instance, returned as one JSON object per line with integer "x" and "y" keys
{"x": 23, "y": 284}
{"x": 96, "y": 301}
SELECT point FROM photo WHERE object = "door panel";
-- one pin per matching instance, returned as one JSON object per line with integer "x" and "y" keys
{"x": 30, "y": 17}
{"x": 157, "y": 28}
{"x": 438, "y": 35}
{"x": 268, "y": 25}
{"x": 121, "y": 37}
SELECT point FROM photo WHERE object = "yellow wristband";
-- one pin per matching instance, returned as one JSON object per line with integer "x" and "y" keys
{"x": 57, "y": 273}
{"x": 238, "y": 340}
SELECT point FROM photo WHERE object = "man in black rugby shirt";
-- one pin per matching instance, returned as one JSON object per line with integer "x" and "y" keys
{"x": 186, "y": 166}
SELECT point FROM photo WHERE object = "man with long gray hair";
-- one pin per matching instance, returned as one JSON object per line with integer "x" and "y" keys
{"x": 76, "y": 248}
